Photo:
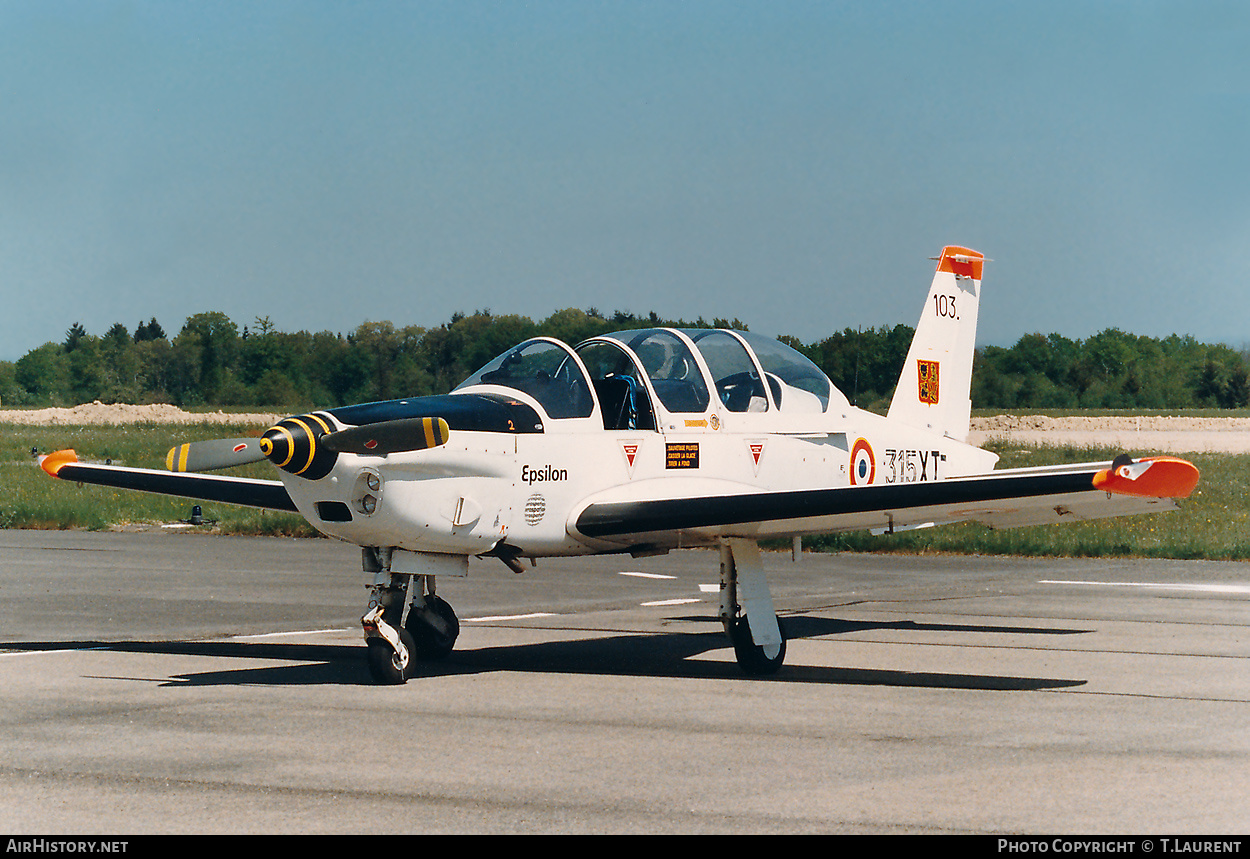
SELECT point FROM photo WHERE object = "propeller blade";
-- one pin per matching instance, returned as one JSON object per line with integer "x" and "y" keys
{"x": 390, "y": 437}
{"x": 213, "y": 454}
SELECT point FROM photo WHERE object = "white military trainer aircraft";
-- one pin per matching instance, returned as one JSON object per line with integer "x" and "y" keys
{"x": 642, "y": 442}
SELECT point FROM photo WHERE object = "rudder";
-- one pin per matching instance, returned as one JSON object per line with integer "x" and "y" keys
{"x": 935, "y": 388}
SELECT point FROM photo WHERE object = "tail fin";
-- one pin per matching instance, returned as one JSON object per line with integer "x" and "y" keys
{"x": 934, "y": 390}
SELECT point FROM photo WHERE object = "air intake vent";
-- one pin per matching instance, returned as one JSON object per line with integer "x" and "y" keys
{"x": 333, "y": 511}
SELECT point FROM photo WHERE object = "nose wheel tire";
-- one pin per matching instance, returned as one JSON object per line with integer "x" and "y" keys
{"x": 386, "y": 665}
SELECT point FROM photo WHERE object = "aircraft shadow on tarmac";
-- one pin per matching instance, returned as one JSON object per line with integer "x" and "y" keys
{"x": 642, "y": 654}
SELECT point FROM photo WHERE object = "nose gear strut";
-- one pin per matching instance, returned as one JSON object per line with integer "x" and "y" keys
{"x": 395, "y": 645}
{"x": 390, "y": 647}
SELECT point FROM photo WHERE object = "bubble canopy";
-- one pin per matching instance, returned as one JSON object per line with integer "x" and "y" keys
{"x": 684, "y": 370}
{"x": 547, "y": 370}
{"x": 790, "y": 366}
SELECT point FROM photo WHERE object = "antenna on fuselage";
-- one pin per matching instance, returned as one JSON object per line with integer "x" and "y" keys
{"x": 859, "y": 333}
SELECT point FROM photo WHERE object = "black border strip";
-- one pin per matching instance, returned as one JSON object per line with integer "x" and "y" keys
{"x": 270, "y": 494}
{"x": 638, "y": 517}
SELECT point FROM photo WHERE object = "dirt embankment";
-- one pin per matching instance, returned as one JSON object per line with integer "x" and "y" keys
{"x": 1132, "y": 434}
{"x": 116, "y": 414}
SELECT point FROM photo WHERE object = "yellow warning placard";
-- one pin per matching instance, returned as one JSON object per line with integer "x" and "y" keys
{"x": 681, "y": 454}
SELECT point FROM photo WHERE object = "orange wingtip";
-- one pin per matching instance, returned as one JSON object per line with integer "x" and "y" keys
{"x": 961, "y": 262}
{"x": 52, "y": 462}
{"x": 1150, "y": 477}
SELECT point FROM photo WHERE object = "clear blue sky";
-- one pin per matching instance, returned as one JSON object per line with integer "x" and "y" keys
{"x": 793, "y": 164}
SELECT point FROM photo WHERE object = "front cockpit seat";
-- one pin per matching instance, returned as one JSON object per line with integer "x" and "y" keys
{"x": 623, "y": 406}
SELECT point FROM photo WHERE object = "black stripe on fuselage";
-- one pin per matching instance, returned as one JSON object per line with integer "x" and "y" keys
{"x": 640, "y": 517}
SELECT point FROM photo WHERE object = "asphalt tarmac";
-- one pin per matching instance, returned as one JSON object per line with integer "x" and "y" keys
{"x": 182, "y": 683}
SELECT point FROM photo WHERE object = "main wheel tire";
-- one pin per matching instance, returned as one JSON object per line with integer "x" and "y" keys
{"x": 751, "y": 656}
{"x": 433, "y": 643}
{"x": 384, "y": 663}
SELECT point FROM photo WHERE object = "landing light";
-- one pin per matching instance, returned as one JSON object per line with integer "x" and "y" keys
{"x": 368, "y": 492}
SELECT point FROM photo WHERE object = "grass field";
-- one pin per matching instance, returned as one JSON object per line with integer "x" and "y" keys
{"x": 31, "y": 499}
{"x": 1213, "y": 523}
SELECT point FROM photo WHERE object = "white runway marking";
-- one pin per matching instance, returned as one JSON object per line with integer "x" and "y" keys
{"x": 1210, "y": 589}
{"x": 709, "y": 589}
{"x": 49, "y": 652}
{"x": 670, "y": 602}
{"x": 648, "y": 575}
{"x": 285, "y": 634}
{"x": 508, "y": 617}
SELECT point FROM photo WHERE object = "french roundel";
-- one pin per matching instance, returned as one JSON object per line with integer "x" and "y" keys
{"x": 863, "y": 464}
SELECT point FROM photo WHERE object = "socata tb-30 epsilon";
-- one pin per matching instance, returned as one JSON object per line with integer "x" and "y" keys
{"x": 642, "y": 442}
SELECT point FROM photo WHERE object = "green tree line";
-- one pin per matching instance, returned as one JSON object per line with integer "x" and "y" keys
{"x": 211, "y": 362}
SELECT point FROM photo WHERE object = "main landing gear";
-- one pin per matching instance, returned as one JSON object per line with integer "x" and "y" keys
{"x": 746, "y": 609}
{"x": 394, "y": 645}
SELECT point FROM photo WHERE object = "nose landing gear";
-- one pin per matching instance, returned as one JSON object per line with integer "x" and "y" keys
{"x": 393, "y": 645}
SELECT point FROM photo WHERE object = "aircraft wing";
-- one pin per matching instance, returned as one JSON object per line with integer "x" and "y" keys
{"x": 999, "y": 499}
{"x": 270, "y": 494}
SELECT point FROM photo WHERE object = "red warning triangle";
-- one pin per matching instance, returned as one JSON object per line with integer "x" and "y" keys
{"x": 630, "y": 450}
{"x": 756, "y": 449}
